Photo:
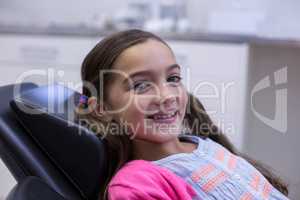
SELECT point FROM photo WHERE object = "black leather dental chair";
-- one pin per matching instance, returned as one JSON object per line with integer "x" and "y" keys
{"x": 49, "y": 154}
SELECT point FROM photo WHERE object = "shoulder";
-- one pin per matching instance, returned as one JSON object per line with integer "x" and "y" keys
{"x": 133, "y": 169}
{"x": 141, "y": 179}
{"x": 137, "y": 171}
{"x": 136, "y": 180}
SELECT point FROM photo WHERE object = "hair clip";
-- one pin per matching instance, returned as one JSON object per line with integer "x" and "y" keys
{"x": 83, "y": 101}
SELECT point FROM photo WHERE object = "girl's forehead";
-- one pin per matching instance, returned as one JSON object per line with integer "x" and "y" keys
{"x": 147, "y": 55}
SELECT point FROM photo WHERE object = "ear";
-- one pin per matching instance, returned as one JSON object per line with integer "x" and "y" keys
{"x": 99, "y": 109}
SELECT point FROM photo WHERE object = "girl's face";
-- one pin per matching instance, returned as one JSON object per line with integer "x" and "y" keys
{"x": 146, "y": 94}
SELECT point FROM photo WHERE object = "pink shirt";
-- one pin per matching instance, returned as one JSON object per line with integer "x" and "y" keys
{"x": 144, "y": 180}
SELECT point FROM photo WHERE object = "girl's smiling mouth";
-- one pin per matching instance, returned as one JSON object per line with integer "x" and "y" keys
{"x": 161, "y": 117}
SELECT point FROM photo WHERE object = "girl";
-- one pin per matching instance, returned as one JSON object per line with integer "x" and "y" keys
{"x": 161, "y": 143}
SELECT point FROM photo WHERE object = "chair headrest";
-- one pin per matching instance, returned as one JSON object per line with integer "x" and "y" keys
{"x": 47, "y": 113}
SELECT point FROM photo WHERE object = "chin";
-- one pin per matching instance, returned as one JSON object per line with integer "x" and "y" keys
{"x": 162, "y": 136}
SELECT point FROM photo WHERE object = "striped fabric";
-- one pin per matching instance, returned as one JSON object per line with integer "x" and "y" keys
{"x": 215, "y": 173}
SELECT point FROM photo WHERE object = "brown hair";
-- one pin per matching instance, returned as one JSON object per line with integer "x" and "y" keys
{"x": 119, "y": 147}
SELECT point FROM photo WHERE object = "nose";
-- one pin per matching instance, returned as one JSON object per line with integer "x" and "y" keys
{"x": 167, "y": 96}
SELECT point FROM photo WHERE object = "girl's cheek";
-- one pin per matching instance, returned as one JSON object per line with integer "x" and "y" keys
{"x": 141, "y": 103}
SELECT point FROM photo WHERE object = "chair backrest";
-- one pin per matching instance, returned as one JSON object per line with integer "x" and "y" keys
{"x": 65, "y": 155}
{"x": 11, "y": 131}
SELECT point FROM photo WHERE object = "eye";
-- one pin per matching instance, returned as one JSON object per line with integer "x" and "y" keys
{"x": 174, "y": 79}
{"x": 141, "y": 86}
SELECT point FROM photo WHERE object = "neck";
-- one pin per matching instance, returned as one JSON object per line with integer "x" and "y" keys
{"x": 152, "y": 151}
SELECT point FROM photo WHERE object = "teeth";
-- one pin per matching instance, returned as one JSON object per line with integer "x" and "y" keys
{"x": 163, "y": 116}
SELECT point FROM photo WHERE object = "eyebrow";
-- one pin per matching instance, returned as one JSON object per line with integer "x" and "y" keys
{"x": 146, "y": 72}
